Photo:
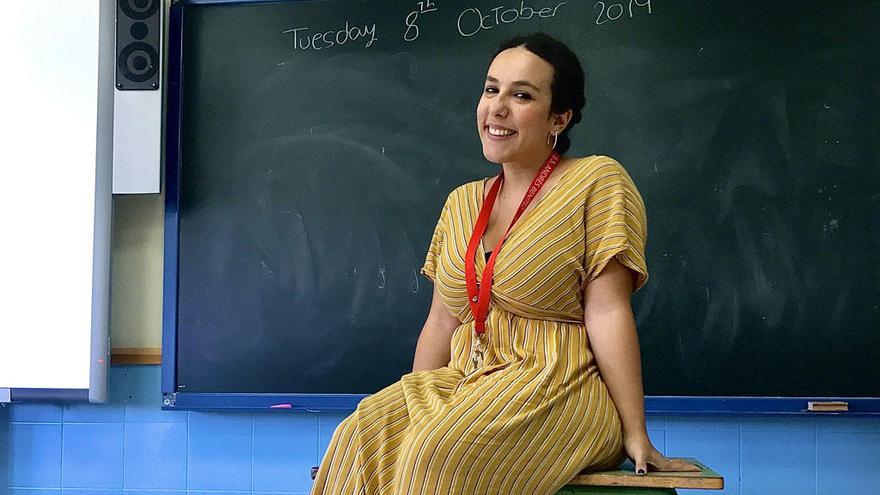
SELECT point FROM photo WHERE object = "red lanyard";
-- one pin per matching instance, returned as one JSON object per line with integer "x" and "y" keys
{"x": 478, "y": 295}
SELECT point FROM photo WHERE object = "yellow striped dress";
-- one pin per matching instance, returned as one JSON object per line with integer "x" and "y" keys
{"x": 536, "y": 412}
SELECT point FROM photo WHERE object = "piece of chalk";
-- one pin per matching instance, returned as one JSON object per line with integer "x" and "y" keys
{"x": 280, "y": 406}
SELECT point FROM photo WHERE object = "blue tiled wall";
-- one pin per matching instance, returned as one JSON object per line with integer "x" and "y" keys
{"x": 131, "y": 447}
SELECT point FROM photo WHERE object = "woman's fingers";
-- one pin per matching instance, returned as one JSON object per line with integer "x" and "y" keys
{"x": 641, "y": 465}
{"x": 661, "y": 463}
{"x": 643, "y": 454}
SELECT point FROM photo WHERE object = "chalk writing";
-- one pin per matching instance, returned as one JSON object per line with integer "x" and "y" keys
{"x": 303, "y": 39}
{"x": 412, "y": 29}
{"x": 471, "y": 21}
{"x": 414, "y": 287}
{"x": 382, "y": 280}
{"x": 614, "y": 11}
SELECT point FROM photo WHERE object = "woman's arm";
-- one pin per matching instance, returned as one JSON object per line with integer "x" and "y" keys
{"x": 611, "y": 327}
{"x": 432, "y": 350}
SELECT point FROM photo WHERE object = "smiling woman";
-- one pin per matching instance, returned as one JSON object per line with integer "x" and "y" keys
{"x": 527, "y": 369}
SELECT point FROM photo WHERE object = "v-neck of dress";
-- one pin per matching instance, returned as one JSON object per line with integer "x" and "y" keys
{"x": 526, "y": 214}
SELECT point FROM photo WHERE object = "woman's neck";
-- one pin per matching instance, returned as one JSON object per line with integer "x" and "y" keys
{"x": 519, "y": 175}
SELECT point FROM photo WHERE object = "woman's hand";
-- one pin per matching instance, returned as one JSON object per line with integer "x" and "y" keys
{"x": 642, "y": 453}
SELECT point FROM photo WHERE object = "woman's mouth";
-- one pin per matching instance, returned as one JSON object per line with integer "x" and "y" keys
{"x": 498, "y": 131}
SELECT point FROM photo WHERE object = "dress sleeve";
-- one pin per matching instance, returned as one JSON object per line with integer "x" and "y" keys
{"x": 429, "y": 269}
{"x": 615, "y": 224}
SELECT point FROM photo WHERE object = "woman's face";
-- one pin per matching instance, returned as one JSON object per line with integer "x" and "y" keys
{"x": 513, "y": 115}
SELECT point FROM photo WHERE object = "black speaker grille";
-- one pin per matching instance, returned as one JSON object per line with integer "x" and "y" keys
{"x": 139, "y": 10}
{"x": 138, "y": 29}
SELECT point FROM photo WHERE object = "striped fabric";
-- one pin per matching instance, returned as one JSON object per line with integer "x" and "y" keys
{"x": 536, "y": 413}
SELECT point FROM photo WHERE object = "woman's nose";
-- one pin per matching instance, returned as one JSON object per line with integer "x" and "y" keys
{"x": 499, "y": 107}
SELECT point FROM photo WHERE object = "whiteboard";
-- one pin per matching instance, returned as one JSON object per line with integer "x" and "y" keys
{"x": 55, "y": 207}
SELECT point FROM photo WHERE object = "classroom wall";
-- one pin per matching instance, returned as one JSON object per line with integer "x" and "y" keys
{"x": 136, "y": 271}
{"x": 131, "y": 447}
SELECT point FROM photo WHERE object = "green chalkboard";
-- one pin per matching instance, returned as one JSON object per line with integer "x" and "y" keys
{"x": 319, "y": 140}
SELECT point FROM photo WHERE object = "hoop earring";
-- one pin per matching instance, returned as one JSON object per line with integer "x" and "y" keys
{"x": 555, "y": 139}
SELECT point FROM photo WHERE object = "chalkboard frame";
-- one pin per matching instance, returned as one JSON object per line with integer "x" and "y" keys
{"x": 175, "y": 398}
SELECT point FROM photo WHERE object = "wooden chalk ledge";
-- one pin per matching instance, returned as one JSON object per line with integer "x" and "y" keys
{"x": 136, "y": 355}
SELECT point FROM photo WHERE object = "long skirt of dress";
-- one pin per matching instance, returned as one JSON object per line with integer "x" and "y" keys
{"x": 526, "y": 422}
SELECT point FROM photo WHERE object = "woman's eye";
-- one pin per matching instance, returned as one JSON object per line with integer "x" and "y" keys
{"x": 523, "y": 95}
{"x": 490, "y": 89}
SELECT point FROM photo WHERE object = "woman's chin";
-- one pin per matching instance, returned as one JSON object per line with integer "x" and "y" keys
{"x": 493, "y": 155}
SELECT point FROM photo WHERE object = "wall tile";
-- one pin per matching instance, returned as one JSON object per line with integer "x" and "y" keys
{"x": 780, "y": 462}
{"x": 155, "y": 456}
{"x": 5, "y": 456}
{"x": 220, "y": 451}
{"x": 284, "y": 451}
{"x": 694, "y": 423}
{"x": 718, "y": 448}
{"x": 324, "y": 437}
{"x": 35, "y": 455}
{"x": 779, "y": 423}
{"x": 332, "y": 419}
{"x": 143, "y": 397}
{"x": 94, "y": 413}
{"x": 848, "y": 462}
{"x": 844, "y": 424}
{"x": 271, "y": 454}
{"x": 111, "y": 412}
{"x": 92, "y": 455}
{"x": 327, "y": 423}
{"x": 34, "y": 491}
{"x": 657, "y": 431}
{"x": 657, "y": 422}
{"x": 27, "y": 412}
{"x": 658, "y": 438}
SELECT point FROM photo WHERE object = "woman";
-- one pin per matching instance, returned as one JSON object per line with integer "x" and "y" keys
{"x": 520, "y": 383}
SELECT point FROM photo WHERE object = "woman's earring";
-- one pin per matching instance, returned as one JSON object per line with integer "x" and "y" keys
{"x": 555, "y": 139}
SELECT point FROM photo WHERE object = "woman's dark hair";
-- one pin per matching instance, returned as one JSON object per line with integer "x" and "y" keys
{"x": 568, "y": 77}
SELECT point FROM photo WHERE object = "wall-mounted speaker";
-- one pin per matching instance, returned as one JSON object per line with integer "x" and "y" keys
{"x": 137, "y": 116}
{"x": 138, "y": 33}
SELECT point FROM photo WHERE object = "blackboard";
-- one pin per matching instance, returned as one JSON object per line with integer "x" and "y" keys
{"x": 317, "y": 141}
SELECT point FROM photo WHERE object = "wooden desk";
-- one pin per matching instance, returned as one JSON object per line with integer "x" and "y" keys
{"x": 623, "y": 481}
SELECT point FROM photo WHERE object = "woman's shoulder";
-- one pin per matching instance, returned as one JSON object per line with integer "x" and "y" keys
{"x": 464, "y": 193}
{"x": 587, "y": 165}
{"x": 590, "y": 170}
